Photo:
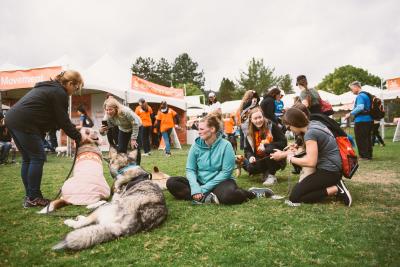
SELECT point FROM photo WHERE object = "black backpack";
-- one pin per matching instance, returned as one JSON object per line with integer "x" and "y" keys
{"x": 376, "y": 111}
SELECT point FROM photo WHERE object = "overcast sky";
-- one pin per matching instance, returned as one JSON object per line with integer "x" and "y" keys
{"x": 295, "y": 37}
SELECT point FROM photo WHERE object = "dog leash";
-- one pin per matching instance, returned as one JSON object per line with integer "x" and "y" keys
{"x": 66, "y": 178}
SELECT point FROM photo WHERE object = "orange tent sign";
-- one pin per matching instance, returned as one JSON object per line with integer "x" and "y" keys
{"x": 15, "y": 79}
{"x": 393, "y": 83}
{"x": 156, "y": 89}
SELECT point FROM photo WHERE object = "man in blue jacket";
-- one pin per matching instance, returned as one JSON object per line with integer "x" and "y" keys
{"x": 363, "y": 121}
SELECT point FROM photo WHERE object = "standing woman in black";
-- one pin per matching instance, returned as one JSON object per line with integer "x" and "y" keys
{"x": 268, "y": 104}
{"x": 42, "y": 109}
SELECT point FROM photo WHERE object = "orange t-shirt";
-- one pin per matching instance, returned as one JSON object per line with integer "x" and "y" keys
{"x": 144, "y": 115}
{"x": 228, "y": 125}
{"x": 268, "y": 138}
{"x": 166, "y": 119}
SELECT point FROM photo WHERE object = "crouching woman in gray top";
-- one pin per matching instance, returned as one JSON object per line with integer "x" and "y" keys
{"x": 322, "y": 159}
{"x": 128, "y": 124}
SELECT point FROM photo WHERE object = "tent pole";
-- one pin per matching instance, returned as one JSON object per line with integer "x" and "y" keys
{"x": 382, "y": 122}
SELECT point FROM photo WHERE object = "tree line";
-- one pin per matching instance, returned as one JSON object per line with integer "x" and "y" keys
{"x": 184, "y": 72}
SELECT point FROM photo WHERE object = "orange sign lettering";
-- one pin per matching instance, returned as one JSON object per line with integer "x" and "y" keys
{"x": 15, "y": 79}
{"x": 156, "y": 89}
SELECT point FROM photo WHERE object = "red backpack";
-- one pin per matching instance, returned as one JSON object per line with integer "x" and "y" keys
{"x": 348, "y": 155}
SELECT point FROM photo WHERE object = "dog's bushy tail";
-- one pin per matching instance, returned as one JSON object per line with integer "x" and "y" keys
{"x": 86, "y": 237}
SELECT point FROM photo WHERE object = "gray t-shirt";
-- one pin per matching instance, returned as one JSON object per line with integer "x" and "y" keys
{"x": 328, "y": 151}
{"x": 312, "y": 93}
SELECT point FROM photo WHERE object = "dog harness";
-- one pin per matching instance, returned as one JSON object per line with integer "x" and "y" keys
{"x": 124, "y": 169}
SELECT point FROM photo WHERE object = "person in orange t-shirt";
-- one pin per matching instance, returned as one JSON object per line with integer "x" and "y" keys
{"x": 145, "y": 112}
{"x": 166, "y": 120}
{"x": 229, "y": 130}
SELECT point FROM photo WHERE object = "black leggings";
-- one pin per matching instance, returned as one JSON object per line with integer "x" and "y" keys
{"x": 263, "y": 165}
{"x": 376, "y": 135}
{"x": 227, "y": 191}
{"x": 313, "y": 188}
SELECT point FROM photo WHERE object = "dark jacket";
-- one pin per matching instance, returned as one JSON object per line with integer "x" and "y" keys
{"x": 279, "y": 142}
{"x": 4, "y": 134}
{"x": 43, "y": 108}
{"x": 268, "y": 107}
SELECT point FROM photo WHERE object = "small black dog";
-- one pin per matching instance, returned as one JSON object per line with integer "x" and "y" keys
{"x": 233, "y": 141}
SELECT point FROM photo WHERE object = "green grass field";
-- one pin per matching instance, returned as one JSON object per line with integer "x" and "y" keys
{"x": 261, "y": 232}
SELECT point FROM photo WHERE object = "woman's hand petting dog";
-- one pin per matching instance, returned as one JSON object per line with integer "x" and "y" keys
{"x": 197, "y": 197}
{"x": 252, "y": 159}
{"x": 279, "y": 154}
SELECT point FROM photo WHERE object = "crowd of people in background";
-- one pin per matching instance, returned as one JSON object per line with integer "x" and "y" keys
{"x": 263, "y": 127}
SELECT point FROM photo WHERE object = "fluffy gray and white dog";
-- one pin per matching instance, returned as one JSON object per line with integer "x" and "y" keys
{"x": 137, "y": 205}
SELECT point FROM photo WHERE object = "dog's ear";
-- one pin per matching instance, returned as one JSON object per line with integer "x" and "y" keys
{"x": 112, "y": 153}
{"x": 132, "y": 156}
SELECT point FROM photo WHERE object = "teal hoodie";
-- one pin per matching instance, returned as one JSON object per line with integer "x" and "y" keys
{"x": 206, "y": 166}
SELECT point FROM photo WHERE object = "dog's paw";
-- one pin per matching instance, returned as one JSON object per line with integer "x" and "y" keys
{"x": 46, "y": 210}
{"x": 80, "y": 218}
{"x": 70, "y": 222}
{"x": 96, "y": 205}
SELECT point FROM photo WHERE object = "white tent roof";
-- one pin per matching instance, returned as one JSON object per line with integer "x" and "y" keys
{"x": 7, "y": 66}
{"x": 230, "y": 106}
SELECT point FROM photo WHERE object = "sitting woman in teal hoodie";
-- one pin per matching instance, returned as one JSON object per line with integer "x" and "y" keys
{"x": 209, "y": 168}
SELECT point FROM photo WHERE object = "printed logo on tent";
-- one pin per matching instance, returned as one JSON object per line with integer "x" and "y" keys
{"x": 15, "y": 79}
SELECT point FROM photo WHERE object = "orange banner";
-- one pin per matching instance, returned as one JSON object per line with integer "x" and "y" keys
{"x": 393, "y": 83}
{"x": 156, "y": 89}
{"x": 15, "y": 79}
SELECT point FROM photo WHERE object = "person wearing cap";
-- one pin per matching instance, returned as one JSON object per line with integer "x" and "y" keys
{"x": 363, "y": 122}
{"x": 145, "y": 112}
{"x": 308, "y": 96}
{"x": 213, "y": 104}
{"x": 43, "y": 108}
{"x": 166, "y": 119}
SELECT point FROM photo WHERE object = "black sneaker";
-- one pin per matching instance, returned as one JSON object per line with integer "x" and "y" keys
{"x": 261, "y": 192}
{"x": 344, "y": 193}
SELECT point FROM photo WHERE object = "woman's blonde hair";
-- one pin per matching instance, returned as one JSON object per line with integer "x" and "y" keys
{"x": 213, "y": 119}
{"x": 70, "y": 76}
{"x": 246, "y": 97}
{"x": 113, "y": 103}
{"x": 252, "y": 127}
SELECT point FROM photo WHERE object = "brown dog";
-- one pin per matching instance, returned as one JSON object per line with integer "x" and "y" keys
{"x": 239, "y": 160}
{"x": 159, "y": 178}
{"x": 87, "y": 186}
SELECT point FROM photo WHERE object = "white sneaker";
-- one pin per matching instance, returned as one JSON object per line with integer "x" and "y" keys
{"x": 145, "y": 154}
{"x": 271, "y": 180}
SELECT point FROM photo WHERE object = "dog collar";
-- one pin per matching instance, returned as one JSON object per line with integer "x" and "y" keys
{"x": 130, "y": 165}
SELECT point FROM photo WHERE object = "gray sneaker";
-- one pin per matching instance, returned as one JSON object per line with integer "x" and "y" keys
{"x": 271, "y": 180}
{"x": 211, "y": 199}
{"x": 261, "y": 192}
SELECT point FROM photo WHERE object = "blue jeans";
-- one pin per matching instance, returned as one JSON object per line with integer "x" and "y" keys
{"x": 165, "y": 136}
{"x": 4, "y": 150}
{"x": 33, "y": 156}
